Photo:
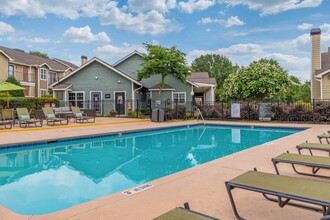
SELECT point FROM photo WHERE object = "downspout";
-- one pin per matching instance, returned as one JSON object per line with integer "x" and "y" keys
{"x": 134, "y": 94}
{"x": 321, "y": 85}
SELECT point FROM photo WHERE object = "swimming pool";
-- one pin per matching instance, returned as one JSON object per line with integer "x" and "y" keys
{"x": 47, "y": 177}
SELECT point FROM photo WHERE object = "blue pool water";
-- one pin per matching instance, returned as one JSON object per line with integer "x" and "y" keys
{"x": 44, "y": 178}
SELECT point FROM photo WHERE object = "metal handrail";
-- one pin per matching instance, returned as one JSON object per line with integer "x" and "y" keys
{"x": 199, "y": 113}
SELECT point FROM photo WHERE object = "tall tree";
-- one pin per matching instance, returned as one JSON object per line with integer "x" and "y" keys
{"x": 263, "y": 79}
{"x": 218, "y": 66}
{"x": 17, "y": 93}
{"x": 296, "y": 91}
{"x": 39, "y": 54}
{"x": 164, "y": 62}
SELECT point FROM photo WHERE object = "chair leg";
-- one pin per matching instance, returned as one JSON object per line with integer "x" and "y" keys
{"x": 232, "y": 202}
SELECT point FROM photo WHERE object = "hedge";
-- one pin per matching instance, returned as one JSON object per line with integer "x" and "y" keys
{"x": 32, "y": 103}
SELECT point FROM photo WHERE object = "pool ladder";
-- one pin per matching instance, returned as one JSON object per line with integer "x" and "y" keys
{"x": 199, "y": 114}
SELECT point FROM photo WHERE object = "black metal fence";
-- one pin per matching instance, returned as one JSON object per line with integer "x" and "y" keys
{"x": 314, "y": 111}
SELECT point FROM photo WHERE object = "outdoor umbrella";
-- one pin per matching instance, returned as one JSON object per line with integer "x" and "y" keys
{"x": 6, "y": 87}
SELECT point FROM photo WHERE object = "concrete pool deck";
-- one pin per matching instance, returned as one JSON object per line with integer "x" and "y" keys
{"x": 202, "y": 186}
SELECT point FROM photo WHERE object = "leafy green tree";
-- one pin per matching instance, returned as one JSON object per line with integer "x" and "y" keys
{"x": 39, "y": 54}
{"x": 218, "y": 66}
{"x": 17, "y": 93}
{"x": 296, "y": 91}
{"x": 164, "y": 62}
{"x": 261, "y": 80}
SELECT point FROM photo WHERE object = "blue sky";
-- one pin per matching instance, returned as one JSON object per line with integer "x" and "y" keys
{"x": 242, "y": 30}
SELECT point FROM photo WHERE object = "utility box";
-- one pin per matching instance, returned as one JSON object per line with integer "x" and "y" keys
{"x": 157, "y": 115}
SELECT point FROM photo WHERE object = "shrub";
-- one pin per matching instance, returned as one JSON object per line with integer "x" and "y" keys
{"x": 132, "y": 114}
{"x": 32, "y": 103}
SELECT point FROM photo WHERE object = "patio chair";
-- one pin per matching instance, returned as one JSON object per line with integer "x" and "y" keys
{"x": 24, "y": 118}
{"x": 283, "y": 189}
{"x": 315, "y": 162}
{"x": 313, "y": 146}
{"x": 81, "y": 117}
{"x": 5, "y": 118}
{"x": 51, "y": 119}
{"x": 185, "y": 213}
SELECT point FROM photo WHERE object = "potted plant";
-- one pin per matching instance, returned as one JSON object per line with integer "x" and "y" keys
{"x": 113, "y": 113}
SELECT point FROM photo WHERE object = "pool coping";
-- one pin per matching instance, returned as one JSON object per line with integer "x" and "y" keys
{"x": 70, "y": 213}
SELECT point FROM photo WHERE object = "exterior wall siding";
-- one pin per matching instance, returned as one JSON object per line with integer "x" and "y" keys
{"x": 131, "y": 66}
{"x": 106, "y": 82}
{"x": 326, "y": 86}
{"x": 3, "y": 68}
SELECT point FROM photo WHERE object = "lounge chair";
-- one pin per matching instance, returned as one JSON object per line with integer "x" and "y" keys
{"x": 80, "y": 117}
{"x": 315, "y": 162}
{"x": 324, "y": 136}
{"x": 6, "y": 118}
{"x": 313, "y": 146}
{"x": 283, "y": 189}
{"x": 25, "y": 120}
{"x": 184, "y": 214}
{"x": 51, "y": 119}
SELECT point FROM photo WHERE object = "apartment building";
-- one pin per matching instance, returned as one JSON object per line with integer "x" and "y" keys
{"x": 34, "y": 73}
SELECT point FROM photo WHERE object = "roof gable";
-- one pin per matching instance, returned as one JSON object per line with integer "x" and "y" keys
{"x": 95, "y": 59}
{"x": 135, "y": 52}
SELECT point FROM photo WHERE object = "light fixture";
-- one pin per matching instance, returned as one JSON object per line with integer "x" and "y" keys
{"x": 192, "y": 93}
{"x": 119, "y": 81}
{"x": 96, "y": 78}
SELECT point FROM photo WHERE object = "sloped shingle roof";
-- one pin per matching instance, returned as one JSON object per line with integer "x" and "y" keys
{"x": 31, "y": 60}
{"x": 201, "y": 77}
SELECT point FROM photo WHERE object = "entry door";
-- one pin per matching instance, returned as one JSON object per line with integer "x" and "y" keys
{"x": 120, "y": 102}
{"x": 96, "y": 102}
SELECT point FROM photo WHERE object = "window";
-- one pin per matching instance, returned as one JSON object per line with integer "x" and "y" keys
{"x": 52, "y": 77}
{"x": 11, "y": 71}
{"x": 77, "y": 99}
{"x": 179, "y": 97}
{"x": 43, "y": 92}
{"x": 148, "y": 98}
{"x": 43, "y": 74}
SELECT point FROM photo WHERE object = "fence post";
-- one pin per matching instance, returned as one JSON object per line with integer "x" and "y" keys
{"x": 313, "y": 106}
{"x": 150, "y": 108}
{"x": 165, "y": 106}
{"x": 137, "y": 108}
{"x": 176, "y": 110}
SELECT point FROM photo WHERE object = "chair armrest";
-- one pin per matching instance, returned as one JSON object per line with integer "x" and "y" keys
{"x": 326, "y": 217}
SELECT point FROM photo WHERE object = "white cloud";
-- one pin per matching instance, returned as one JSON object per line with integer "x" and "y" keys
{"x": 304, "y": 26}
{"x": 234, "y": 21}
{"x": 146, "y": 5}
{"x": 209, "y": 20}
{"x": 208, "y": 30}
{"x": 196, "y": 5}
{"x": 273, "y": 7}
{"x": 84, "y": 35}
{"x": 153, "y": 22}
{"x": 29, "y": 40}
{"x": 116, "y": 52}
{"x": 5, "y": 28}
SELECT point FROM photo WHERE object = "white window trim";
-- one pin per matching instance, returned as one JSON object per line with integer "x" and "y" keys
{"x": 41, "y": 92}
{"x": 178, "y": 93}
{"x": 90, "y": 99}
{"x": 13, "y": 70}
{"x": 84, "y": 97}
{"x": 114, "y": 98}
{"x": 41, "y": 69}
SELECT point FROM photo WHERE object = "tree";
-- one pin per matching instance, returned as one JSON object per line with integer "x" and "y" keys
{"x": 164, "y": 62}
{"x": 39, "y": 54}
{"x": 17, "y": 93}
{"x": 296, "y": 91}
{"x": 263, "y": 79}
{"x": 218, "y": 66}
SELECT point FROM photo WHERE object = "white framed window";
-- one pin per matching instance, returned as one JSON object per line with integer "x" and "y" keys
{"x": 43, "y": 74}
{"x": 179, "y": 97}
{"x": 43, "y": 92}
{"x": 77, "y": 98}
{"x": 52, "y": 77}
{"x": 11, "y": 70}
